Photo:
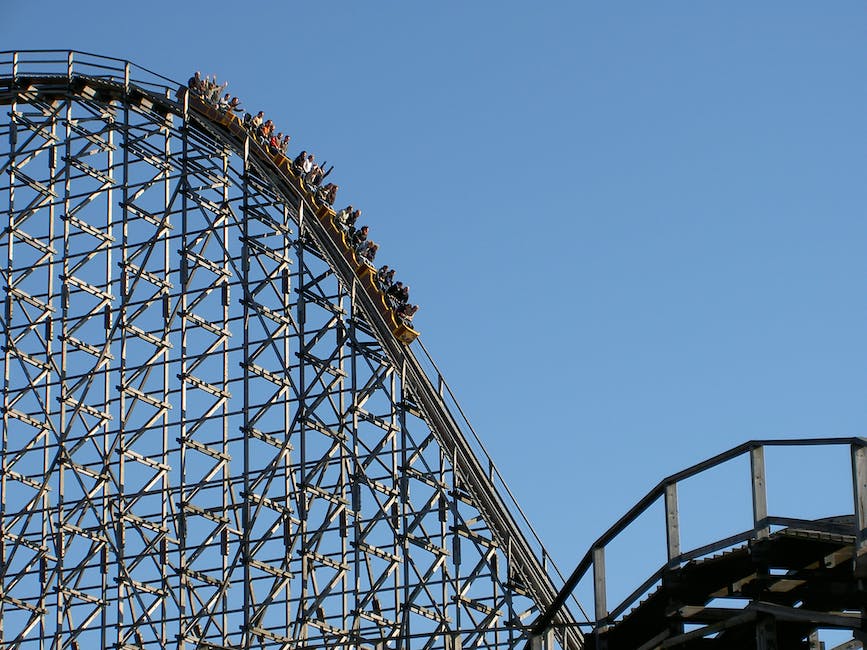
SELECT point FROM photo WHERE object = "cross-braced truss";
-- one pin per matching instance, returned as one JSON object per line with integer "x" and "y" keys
{"x": 207, "y": 442}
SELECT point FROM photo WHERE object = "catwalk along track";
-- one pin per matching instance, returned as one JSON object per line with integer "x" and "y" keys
{"x": 783, "y": 583}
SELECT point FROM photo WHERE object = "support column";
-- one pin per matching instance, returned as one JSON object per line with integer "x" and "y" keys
{"x": 672, "y": 524}
{"x": 859, "y": 492}
{"x": 599, "y": 595}
{"x": 760, "y": 495}
{"x": 766, "y": 633}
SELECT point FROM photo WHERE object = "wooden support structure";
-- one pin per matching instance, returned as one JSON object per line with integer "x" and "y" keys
{"x": 759, "y": 491}
{"x": 672, "y": 523}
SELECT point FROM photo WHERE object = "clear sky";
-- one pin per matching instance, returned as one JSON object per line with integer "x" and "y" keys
{"x": 636, "y": 229}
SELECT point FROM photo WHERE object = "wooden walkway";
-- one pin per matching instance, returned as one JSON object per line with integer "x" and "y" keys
{"x": 769, "y": 593}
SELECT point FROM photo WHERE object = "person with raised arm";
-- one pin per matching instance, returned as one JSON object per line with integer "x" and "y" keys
{"x": 328, "y": 193}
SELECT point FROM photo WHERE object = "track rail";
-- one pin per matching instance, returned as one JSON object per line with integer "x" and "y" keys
{"x": 424, "y": 387}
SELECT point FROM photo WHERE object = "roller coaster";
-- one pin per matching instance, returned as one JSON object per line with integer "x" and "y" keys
{"x": 218, "y": 435}
{"x": 214, "y": 431}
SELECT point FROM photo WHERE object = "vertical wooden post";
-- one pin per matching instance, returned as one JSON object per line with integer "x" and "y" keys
{"x": 672, "y": 523}
{"x": 599, "y": 590}
{"x": 766, "y": 633}
{"x": 600, "y": 597}
{"x": 859, "y": 493}
{"x": 760, "y": 494}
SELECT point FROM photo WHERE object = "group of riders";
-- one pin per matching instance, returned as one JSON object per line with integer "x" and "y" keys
{"x": 312, "y": 174}
{"x": 397, "y": 293}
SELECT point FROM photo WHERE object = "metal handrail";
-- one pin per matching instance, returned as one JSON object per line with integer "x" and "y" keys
{"x": 761, "y": 520}
{"x": 77, "y": 63}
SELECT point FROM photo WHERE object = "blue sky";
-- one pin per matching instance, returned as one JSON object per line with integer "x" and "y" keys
{"x": 635, "y": 229}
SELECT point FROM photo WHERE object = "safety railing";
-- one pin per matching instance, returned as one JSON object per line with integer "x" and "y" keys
{"x": 666, "y": 494}
{"x": 72, "y": 63}
{"x": 494, "y": 475}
